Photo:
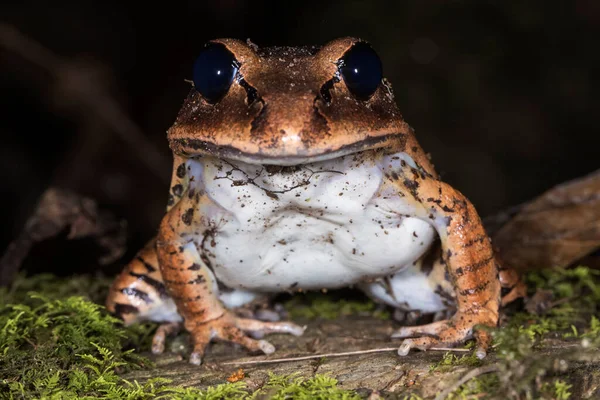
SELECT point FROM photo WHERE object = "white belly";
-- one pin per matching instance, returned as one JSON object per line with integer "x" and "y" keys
{"x": 308, "y": 229}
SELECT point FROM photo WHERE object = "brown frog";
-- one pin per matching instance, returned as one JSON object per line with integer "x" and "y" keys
{"x": 294, "y": 170}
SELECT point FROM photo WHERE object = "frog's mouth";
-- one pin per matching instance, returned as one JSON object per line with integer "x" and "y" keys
{"x": 194, "y": 148}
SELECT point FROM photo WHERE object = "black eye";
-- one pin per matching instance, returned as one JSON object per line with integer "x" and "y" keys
{"x": 214, "y": 70}
{"x": 361, "y": 69}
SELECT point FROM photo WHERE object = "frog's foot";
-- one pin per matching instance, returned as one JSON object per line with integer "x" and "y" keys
{"x": 446, "y": 333}
{"x": 511, "y": 282}
{"x": 273, "y": 314}
{"x": 164, "y": 330}
{"x": 406, "y": 317}
{"x": 233, "y": 329}
{"x": 512, "y": 293}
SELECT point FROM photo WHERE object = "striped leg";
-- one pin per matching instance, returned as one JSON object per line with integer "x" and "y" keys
{"x": 467, "y": 252}
{"x": 139, "y": 294}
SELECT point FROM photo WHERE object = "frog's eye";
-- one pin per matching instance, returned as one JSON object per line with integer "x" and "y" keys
{"x": 362, "y": 70}
{"x": 214, "y": 71}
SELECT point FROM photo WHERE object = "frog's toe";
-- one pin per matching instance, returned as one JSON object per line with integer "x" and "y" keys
{"x": 270, "y": 327}
{"x": 483, "y": 341}
{"x": 234, "y": 334}
{"x": 424, "y": 337}
{"x": 267, "y": 315}
{"x": 160, "y": 337}
{"x": 412, "y": 331}
{"x": 422, "y": 343}
{"x": 201, "y": 336}
{"x": 427, "y": 342}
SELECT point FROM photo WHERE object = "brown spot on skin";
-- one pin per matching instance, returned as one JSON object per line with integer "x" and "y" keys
{"x": 271, "y": 195}
{"x": 186, "y": 298}
{"x": 188, "y": 216}
{"x": 181, "y": 171}
{"x": 478, "y": 265}
{"x": 206, "y": 260}
{"x": 413, "y": 187}
{"x": 476, "y": 289}
{"x": 177, "y": 190}
{"x": 199, "y": 279}
{"x": 476, "y": 240}
{"x": 395, "y": 176}
{"x": 175, "y": 283}
{"x": 195, "y": 267}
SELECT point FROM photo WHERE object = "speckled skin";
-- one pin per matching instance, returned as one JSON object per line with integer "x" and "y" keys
{"x": 290, "y": 183}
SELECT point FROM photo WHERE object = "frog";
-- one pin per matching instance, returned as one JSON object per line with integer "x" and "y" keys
{"x": 294, "y": 170}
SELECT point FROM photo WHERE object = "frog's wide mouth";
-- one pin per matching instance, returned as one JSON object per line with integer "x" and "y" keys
{"x": 197, "y": 147}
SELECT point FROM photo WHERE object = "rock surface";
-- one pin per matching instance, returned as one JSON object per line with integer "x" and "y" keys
{"x": 384, "y": 373}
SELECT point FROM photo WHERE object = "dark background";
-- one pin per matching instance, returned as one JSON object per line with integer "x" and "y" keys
{"x": 502, "y": 94}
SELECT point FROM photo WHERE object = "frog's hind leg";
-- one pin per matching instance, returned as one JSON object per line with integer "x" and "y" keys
{"x": 139, "y": 294}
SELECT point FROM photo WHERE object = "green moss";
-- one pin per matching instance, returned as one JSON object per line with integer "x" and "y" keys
{"x": 46, "y": 344}
{"x": 523, "y": 370}
{"x": 331, "y": 306}
{"x": 56, "y": 346}
{"x": 451, "y": 360}
{"x": 481, "y": 387}
{"x": 91, "y": 287}
{"x": 412, "y": 396}
{"x": 556, "y": 390}
{"x": 320, "y": 387}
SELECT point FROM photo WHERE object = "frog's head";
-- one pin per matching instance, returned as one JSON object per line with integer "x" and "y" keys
{"x": 287, "y": 105}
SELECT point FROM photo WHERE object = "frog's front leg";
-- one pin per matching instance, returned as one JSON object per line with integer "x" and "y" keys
{"x": 193, "y": 287}
{"x": 467, "y": 252}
